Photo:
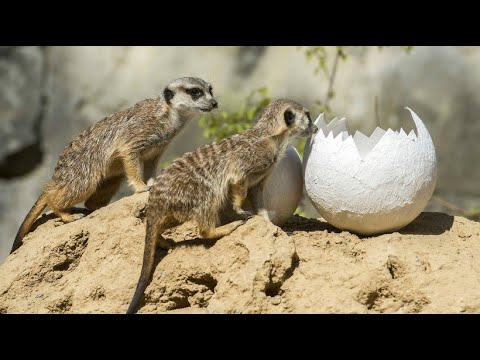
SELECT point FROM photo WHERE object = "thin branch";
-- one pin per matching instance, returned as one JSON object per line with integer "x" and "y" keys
{"x": 377, "y": 112}
{"x": 332, "y": 77}
{"x": 452, "y": 207}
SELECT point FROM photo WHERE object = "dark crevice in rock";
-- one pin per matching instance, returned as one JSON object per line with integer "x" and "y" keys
{"x": 28, "y": 158}
{"x": 273, "y": 288}
{"x": 180, "y": 302}
{"x": 293, "y": 267}
{"x": 61, "y": 306}
{"x": 141, "y": 213}
{"x": 372, "y": 297}
{"x": 206, "y": 280}
{"x": 391, "y": 270}
{"x": 186, "y": 296}
{"x": 71, "y": 252}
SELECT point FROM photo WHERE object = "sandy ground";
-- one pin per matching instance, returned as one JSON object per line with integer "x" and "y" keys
{"x": 307, "y": 266}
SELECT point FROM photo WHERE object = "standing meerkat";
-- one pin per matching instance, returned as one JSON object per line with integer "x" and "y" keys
{"x": 93, "y": 166}
{"x": 197, "y": 185}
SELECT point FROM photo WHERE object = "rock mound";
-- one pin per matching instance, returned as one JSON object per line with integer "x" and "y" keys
{"x": 307, "y": 266}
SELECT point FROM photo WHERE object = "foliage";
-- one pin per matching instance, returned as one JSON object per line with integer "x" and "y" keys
{"x": 300, "y": 211}
{"x": 320, "y": 56}
{"x": 217, "y": 126}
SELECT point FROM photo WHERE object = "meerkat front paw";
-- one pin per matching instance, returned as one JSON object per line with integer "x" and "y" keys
{"x": 72, "y": 217}
{"x": 143, "y": 189}
{"x": 165, "y": 244}
{"x": 150, "y": 182}
{"x": 245, "y": 215}
{"x": 264, "y": 213}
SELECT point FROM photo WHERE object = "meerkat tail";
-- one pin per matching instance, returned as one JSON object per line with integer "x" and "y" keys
{"x": 148, "y": 258}
{"x": 32, "y": 215}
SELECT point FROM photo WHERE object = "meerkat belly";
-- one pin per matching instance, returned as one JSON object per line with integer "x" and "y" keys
{"x": 152, "y": 153}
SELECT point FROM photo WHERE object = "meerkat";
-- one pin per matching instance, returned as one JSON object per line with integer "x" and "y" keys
{"x": 197, "y": 185}
{"x": 93, "y": 166}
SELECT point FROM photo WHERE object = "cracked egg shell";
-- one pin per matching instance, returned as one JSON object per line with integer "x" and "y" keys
{"x": 369, "y": 184}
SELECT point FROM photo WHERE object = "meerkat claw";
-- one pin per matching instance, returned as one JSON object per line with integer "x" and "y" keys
{"x": 245, "y": 214}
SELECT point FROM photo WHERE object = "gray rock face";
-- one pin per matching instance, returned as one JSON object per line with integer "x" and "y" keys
{"x": 22, "y": 71}
{"x": 49, "y": 95}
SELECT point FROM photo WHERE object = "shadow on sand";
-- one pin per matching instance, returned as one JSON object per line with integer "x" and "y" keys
{"x": 427, "y": 223}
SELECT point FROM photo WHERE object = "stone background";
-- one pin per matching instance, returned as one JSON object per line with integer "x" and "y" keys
{"x": 50, "y": 94}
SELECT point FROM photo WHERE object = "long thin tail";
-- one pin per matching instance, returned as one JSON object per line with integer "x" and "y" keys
{"x": 148, "y": 258}
{"x": 32, "y": 215}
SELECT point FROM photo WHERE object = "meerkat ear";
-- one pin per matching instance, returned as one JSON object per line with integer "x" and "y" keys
{"x": 289, "y": 117}
{"x": 168, "y": 94}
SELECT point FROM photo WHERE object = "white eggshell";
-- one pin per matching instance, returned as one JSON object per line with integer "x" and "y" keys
{"x": 284, "y": 187}
{"x": 369, "y": 185}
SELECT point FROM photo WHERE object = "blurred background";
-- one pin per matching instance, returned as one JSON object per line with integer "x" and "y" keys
{"x": 48, "y": 95}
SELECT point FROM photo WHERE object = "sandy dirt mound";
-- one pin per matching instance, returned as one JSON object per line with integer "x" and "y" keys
{"x": 92, "y": 265}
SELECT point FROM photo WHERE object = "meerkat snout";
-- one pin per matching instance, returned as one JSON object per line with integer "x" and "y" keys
{"x": 312, "y": 128}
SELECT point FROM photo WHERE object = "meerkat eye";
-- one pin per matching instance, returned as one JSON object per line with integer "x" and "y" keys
{"x": 195, "y": 93}
{"x": 289, "y": 117}
{"x": 210, "y": 90}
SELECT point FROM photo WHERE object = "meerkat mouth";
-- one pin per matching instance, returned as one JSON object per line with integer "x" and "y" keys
{"x": 206, "y": 109}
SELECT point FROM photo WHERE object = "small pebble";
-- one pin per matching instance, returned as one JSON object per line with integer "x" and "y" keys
{"x": 276, "y": 300}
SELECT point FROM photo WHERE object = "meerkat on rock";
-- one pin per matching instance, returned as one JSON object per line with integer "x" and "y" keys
{"x": 197, "y": 185}
{"x": 127, "y": 144}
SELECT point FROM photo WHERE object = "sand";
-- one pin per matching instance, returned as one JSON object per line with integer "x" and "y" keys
{"x": 307, "y": 266}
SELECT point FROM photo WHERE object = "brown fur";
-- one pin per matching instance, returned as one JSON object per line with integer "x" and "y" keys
{"x": 127, "y": 144}
{"x": 197, "y": 185}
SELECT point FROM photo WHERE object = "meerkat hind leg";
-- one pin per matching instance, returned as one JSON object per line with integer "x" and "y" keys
{"x": 102, "y": 196}
{"x": 166, "y": 223}
{"x": 215, "y": 233}
{"x": 63, "y": 207}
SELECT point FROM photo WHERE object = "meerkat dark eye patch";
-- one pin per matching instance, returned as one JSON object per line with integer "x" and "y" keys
{"x": 210, "y": 90}
{"x": 195, "y": 93}
{"x": 308, "y": 117}
{"x": 168, "y": 94}
{"x": 289, "y": 117}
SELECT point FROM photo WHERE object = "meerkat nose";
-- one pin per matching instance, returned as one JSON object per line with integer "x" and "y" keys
{"x": 214, "y": 103}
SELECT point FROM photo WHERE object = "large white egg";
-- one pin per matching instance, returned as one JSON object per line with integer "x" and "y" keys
{"x": 284, "y": 187}
{"x": 369, "y": 184}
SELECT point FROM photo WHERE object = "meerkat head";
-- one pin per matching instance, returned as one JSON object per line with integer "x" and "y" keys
{"x": 289, "y": 118}
{"x": 190, "y": 95}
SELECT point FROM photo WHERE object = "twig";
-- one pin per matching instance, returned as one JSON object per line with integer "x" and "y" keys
{"x": 332, "y": 78}
{"x": 377, "y": 112}
{"x": 451, "y": 206}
